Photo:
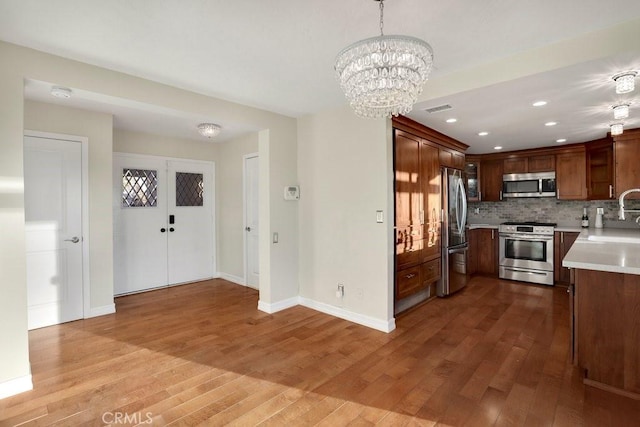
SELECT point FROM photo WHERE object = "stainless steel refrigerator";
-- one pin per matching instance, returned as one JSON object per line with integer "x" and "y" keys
{"x": 454, "y": 234}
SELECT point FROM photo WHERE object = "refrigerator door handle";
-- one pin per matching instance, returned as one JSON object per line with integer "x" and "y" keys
{"x": 463, "y": 199}
{"x": 458, "y": 250}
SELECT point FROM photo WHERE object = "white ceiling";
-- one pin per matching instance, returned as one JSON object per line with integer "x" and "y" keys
{"x": 278, "y": 55}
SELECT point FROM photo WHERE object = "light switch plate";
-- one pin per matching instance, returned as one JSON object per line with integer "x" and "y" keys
{"x": 379, "y": 216}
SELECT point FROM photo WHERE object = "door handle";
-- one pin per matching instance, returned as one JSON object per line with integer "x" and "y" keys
{"x": 74, "y": 239}
{"x": 248, "y": 228}
{"x": 162, "y": 230}
{"x": 172, "y": 229}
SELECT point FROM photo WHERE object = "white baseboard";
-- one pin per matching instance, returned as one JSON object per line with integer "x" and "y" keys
{"x": 16, "y": 386}
{"x": 361, "y": 319}
{"x": 231, "y": 278}
{"x": 101, "y": 311}
{"x": 278, "y": 306}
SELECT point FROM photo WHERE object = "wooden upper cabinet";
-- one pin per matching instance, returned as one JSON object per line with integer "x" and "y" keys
{"x": 546, "y": 163}
{"x": 408, "y": 191}
{"x": 626, "y": 154}
{"x": 430, "y": 168}
{"x": 516, "y": 165}
{"x": 529, "y": 164}
{"x": 571, "y": 175}
{"x": 491, "y": 180}
{"x": 472, "y": 178}
{"x": 600, "y": 169}
{"x": 451, "y": 159}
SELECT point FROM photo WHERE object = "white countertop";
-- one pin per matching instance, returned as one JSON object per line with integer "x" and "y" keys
{"x": 473, "y": 226}
{"x": 612, "y": 256}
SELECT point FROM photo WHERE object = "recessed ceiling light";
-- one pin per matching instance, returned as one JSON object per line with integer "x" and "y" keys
{"x": 452, "y": 120}
{"x": 483, "y": 133}
{"x": 539, "y": 103}
{"x": 497, "y": 147}
{"x": 550, "y": 123}
{"x": 61, "y": 92}
{"x": 561, "y": 140}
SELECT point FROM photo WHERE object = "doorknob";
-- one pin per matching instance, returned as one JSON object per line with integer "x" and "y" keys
{"x": 172, "y": 229}
{"x": 248, "y": 228}
{"x": 74, "y": 239}
{"x": 162, "y": 230}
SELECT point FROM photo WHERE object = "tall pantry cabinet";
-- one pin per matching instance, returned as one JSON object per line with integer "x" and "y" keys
{"x": 420, "y": 154}
{"x": 417, "y": 227}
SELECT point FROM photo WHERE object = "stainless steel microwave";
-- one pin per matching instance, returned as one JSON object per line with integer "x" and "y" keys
{"x": 541, "y": 184}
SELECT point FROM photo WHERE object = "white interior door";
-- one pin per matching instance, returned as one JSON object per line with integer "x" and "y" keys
{"x": 190, "y": 246}
{"x": 53, "y": 216}
{"x": 251, "y": 193}
{"x": 163, "y": 222}
{"x": 140, "y": 223}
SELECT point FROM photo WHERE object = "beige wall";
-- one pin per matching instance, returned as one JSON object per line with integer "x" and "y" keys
{"x": 155, "y": 145}
{"x": 344, "y": 167}
{"x": 97, "y": 127}
{"x": 229, "y": 189}
{"x": 13, "y": 291}
{"x": 278, "y": 279}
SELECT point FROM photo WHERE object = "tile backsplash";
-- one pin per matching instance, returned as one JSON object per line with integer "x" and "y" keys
{"x": 566, "y": 213}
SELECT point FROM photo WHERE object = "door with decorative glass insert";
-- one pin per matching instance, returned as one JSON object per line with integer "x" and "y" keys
{"x": 163, "y": 222}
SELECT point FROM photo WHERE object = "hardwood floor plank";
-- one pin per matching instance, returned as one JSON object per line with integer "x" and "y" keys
{"x": 496, "y": 353}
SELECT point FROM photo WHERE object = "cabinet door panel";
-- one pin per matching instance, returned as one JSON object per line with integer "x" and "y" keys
{"x": 516, "y": 165}
{"x": 408, "y": 191}
{"x": 542, "y": 163}
{"x": 571, "y": 176}
{"x": 627, "y": 163}
{"x": 491, "y": 180}
{"x": 486, "y": 250}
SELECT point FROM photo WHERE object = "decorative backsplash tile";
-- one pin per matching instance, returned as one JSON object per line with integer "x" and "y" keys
{"x": 565, "y": 213}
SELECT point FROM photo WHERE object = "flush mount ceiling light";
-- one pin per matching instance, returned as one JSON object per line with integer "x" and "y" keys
{"x": 209, "y": 129}
{"x": 382, "y": 76}
{"x": 61, "y": 92}
{"x": 625, "y": 82}
{"x": 616, "y": 129}
{"x": 621, "y": 111}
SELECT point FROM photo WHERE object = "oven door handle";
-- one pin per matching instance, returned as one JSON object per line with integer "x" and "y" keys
{"x": 538, "y": 273}
{"x": 536, "y": 238}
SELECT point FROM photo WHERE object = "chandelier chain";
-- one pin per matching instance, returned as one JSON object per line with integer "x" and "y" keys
{"x": 381, "y": 17}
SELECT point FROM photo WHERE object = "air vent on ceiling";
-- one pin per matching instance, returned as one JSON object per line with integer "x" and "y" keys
{"x": 438, "y": 109}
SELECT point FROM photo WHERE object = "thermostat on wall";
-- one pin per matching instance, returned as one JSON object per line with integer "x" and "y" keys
{"x": 292, "y": 192}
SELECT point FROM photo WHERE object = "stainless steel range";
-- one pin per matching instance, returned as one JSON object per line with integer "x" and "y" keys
{"x": 526, "y": 252}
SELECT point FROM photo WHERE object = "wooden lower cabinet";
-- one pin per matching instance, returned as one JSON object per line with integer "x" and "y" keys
{"x": 562, "y": 242}
{"x": 417, "y": 278}
{"x": 607, "y": 337}
{"x": 483, "y": 254}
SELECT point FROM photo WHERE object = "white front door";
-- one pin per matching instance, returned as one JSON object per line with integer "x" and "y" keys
{"x": 53, "y": 216}
{"x": 190, "y": 245}
{"x": 140, "y": 224}
{"x": 251, "y": 195}
{"x": 163, "y": 222}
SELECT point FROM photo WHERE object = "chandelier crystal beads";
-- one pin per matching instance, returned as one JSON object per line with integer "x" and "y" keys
{"x": 209, "y": 129}
{"x": 383, "y": 76}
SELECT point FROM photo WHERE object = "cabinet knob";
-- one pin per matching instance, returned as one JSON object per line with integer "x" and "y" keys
{"x": 410, "y": 276}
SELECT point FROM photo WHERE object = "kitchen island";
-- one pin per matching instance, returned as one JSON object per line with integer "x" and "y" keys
{"x": 605, "y": 291}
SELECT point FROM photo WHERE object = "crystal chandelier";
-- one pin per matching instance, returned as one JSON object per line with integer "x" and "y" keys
{"x": 209, "y": 129}
{"x": 616, "y": 129}
{"x": 621, "y": 111}
{"x": 382, "y": 76}
{"x": 625, "y": 81}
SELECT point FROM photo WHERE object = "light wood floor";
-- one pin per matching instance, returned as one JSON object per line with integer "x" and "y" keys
{"x": 495, "y": 354}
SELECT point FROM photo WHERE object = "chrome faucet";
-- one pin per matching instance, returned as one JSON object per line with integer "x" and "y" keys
{"x": 621, "y": 202}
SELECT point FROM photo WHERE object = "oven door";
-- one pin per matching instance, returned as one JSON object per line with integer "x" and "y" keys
{"x": 526, "y": 251}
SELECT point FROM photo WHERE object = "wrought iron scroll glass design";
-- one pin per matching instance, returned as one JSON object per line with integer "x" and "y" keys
{"x": 139, "y": 188}
{"x": 189, "y": 189}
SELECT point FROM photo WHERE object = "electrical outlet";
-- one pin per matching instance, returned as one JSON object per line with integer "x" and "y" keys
{"x": 340, "y": 291}
{"x": 476, "y": 210}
